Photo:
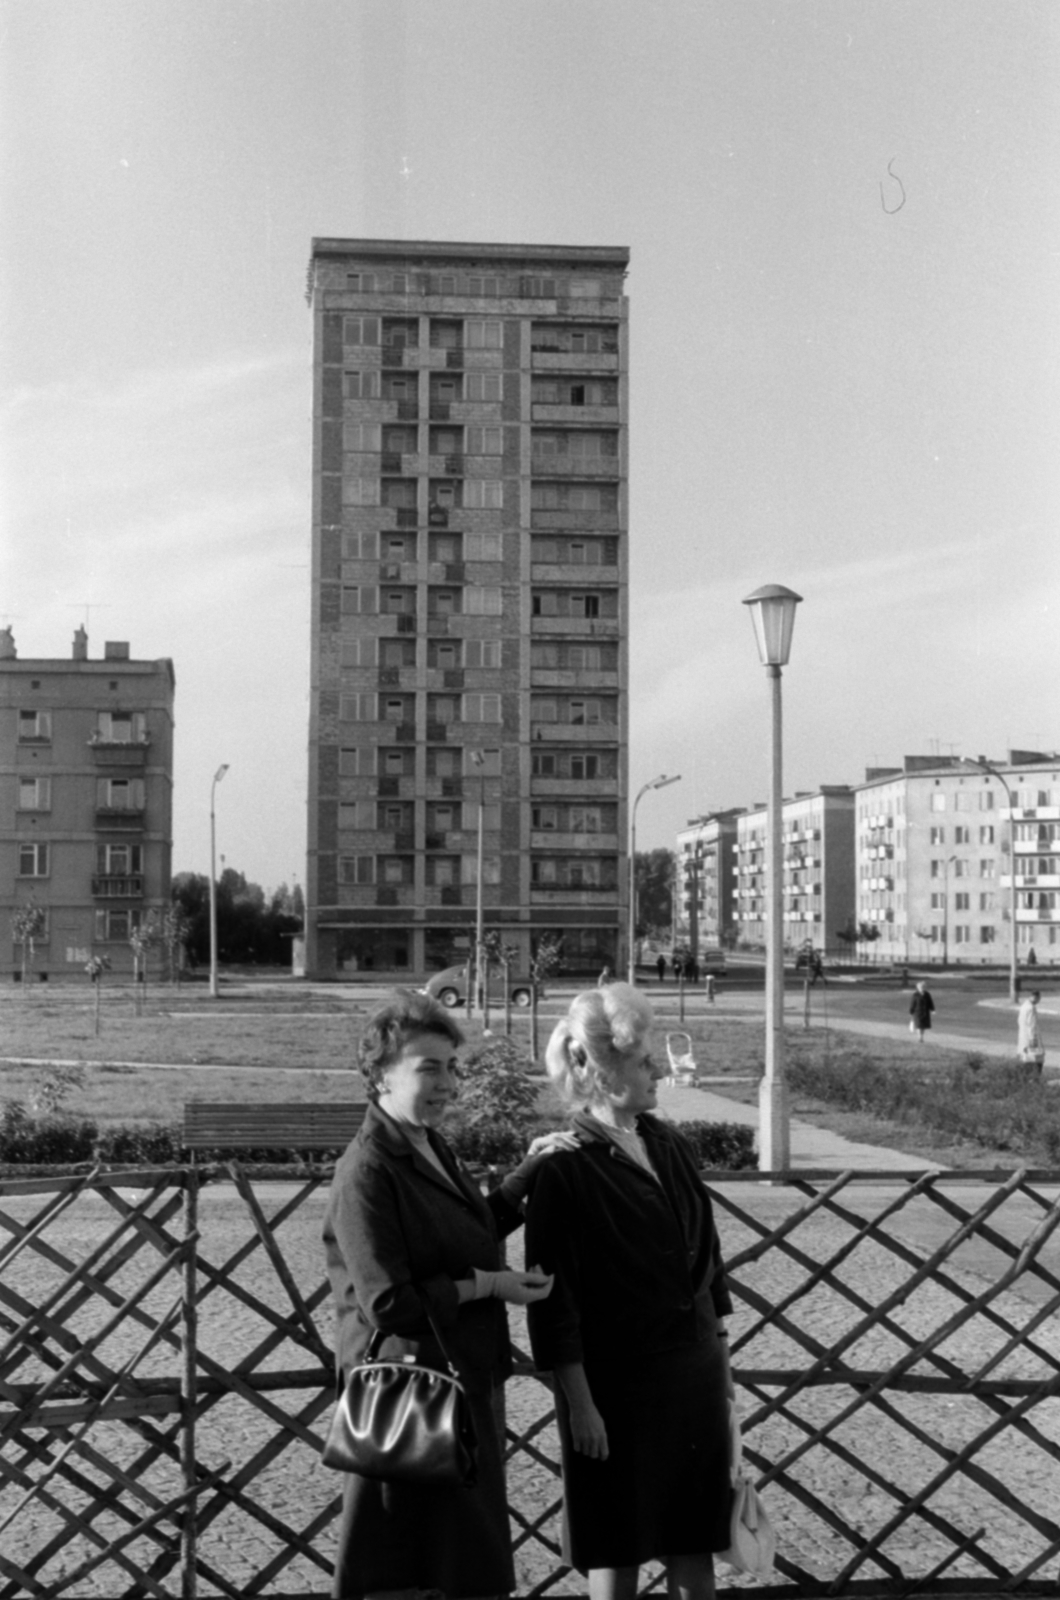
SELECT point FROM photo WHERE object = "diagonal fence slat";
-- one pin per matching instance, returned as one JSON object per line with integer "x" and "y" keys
{"x": 903, "y": 1388}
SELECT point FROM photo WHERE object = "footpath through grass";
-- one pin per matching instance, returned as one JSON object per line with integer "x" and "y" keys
{"x": 275, "y": 1045}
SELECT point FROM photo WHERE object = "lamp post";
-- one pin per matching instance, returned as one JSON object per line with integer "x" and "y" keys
{"x": 218, "y": 775}
{"x": 474, "y": 987}
{"x": 661, "y": 782}
{"x": 773, "y": 616}
{"x": 1013, "y": 957}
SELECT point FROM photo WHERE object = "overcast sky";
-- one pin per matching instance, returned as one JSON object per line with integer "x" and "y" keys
{"x": 845, "y": 224}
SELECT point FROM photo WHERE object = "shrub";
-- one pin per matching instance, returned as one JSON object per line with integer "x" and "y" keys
{"x": 729, "y": 1145}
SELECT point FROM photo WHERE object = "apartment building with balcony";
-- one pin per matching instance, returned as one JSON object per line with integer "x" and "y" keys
{"x": 86, "y": 799}
{"x": 469, "y": 592}
{"x": 936, "y": 841}
{"x": 706, "y": 852}
{"x": 818, "y": 870}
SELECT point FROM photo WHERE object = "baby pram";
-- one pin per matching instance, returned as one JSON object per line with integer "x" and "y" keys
{"x": 683, "y": 1067}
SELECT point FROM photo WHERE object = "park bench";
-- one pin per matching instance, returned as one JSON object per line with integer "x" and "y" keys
{"x": 275, "y": 1125}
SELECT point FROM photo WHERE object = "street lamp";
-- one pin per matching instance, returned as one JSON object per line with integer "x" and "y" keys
{"x": 474, "y": 985}
{"x": 773, "y": 616}
{"x": 218, "y": 775}
{"x": 661, "y": 782}
{"x": 1013, "y": 959}
{"x": 946, "y": 865}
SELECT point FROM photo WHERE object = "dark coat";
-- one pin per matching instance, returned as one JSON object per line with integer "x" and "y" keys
{"x": 637, "y": 1262}
{"x": 397, "y": 1236}
{"x": 920, "y": 1008}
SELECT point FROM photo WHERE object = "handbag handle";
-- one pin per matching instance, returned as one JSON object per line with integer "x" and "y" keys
{"x": 375, "y": 1343}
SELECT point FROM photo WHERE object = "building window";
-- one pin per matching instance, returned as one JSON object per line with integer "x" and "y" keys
{"x": 358, "y": 708}
{"x": 34, "y": 794}
{"x": 121, "y": 727}
{"x": 361, "y": 437}
{"x": 483, "y": 653}
{"x": 986, "y": 800}
{"x": 962, "y": 800}
{"x": 585, "y": 819}
{"x": 443, "y": 871}
{"x": 484, "y": 386}
{"x": 483, "y": 335}
{"x": 938, "y": 836}
{"x": 986, "y": 901}
{"x": 960, "y": 869}
{"x": 986, "y": 934}
{"x": 584, "y": 766}
{"x": 33, "y": 860}
{"x": 113, "y": 927}
{"x": 986, "y": 833}
{"x": 962, "y": 933}
{"x": 962, "y": 835}
{"x": 482, "y": 708}
{"x": 962, "y": 902}
{"x": 483, "y": 546}
{"x": 544, "y": 818}
{"x": 491, "y": 870}
{"x": 362, "y": 492}
{"x": 356, "y": 869}
{"x": 361, "y": 330}
{"x": 483, "y": 494}
{"x": 360, "y": 547}
{"x": 34, "y": 725}
{"x": 986, "y": 866}
{"x": 116, "y": 860}
{"x": 481, "y": 602}
{"x": 120, "y": 794}
{"x": 937, "y": 902}
{"x": 485, "y": 441}
{"x": 361, "y": 385}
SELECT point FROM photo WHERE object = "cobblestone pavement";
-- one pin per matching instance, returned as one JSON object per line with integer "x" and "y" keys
{"x": 902, "y": 1443}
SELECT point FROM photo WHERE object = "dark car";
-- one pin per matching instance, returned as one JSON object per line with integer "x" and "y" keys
{"x": 450, "y": 987}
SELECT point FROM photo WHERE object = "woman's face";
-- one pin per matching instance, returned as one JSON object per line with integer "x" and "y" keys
{"x": 421, "y": 1084}
{"x": 633, "y": 1084}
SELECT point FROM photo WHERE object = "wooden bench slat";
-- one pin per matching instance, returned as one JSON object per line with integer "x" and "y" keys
{"x": 297, "y": 1124}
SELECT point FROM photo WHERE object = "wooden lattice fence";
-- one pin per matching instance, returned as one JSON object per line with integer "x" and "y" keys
{"x": 165, "y": 1376}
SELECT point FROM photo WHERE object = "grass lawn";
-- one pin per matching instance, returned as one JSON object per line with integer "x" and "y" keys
{"x": 289, "y": 1045}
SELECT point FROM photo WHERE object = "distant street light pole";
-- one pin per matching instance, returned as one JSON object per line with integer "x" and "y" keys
{"x": 218, "y": 775}
{"x": 661, "y": 782}
{"x": 773, "y": 616}
{"x": 1013, "y": 957}
{"x": 474, "y": 987}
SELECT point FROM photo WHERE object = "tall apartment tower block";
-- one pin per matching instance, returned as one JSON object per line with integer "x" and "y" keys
{"x": 86, "y": 800}
{"x": 469, "y": 592}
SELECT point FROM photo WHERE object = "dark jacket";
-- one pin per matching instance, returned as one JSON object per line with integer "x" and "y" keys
{"x": 637, "y": 1261}
{"x": 920, "y": 1008}
{"x": 397, "y": 1236}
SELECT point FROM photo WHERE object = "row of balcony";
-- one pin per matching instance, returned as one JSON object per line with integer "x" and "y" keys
{"x": 454, "y": 894}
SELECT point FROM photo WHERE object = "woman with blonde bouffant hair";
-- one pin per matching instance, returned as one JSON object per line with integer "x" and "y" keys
{"x": 633, "y": 1329}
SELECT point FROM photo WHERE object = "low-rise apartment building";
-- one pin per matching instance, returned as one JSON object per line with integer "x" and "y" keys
{"x": 818, "y": 859}
{"x": 706, "y": 850}
{"x": 935, "y": 844}
{"x": 86, "y": 782}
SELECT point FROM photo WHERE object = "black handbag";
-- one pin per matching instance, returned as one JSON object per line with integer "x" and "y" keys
{"x": 403, "y": 1423}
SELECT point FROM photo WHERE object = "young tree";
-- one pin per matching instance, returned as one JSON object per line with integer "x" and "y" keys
{"x": 176, "y": 930}
{"x": 27, "y": 924}
{"x": 543, "y": 963}
{"x": 654, "y": 878}
{"x": 142, "y": 939}
{"x": 95, "y": 969}
{"x": 498, "y": 954}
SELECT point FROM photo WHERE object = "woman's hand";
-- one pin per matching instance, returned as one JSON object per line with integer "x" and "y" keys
{"x": 588, "y": 1434}
{"x": 546, "y": 1144}
{"x": 515, "y": 1288}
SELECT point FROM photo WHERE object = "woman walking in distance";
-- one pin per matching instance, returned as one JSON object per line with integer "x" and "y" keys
{"x": 632, "y": 1330}
{"x": 920, "y": 1008}
{"x": 408, "y": 1230}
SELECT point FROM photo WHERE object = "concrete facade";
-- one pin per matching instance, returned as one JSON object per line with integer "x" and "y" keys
{"x": 469, "y": 593}
{"x": 706, "y": 853}
{"x": 86, "y": 799}
{"x": 818, "y": 857}
{"x": 935, "y": 840}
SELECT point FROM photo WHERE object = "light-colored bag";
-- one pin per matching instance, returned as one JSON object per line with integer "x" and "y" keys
{"x": 752, "y": 1542}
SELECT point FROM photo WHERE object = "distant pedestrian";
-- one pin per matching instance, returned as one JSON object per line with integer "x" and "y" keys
{"x": 606, "y": 977}
{"x": 1030, "y": 1044}
{"x": 693, "y": 970}
{"x": 920, "y": 1008}
{"x": 710, "y": 987}
{"x": 1032, "y": 958}
{"x": 660, "y": 967}
{"x": 816, "y": 969}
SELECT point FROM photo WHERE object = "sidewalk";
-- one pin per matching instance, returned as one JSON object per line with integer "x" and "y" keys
{"x": 810, "y": 1146}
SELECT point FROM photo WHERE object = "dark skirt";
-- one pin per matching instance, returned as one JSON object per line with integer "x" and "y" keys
{"x": 664, "y": 1489}
{"x": 404, "y": 1536}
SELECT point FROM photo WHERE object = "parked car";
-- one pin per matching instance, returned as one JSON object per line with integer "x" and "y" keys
{"x": 450, "y": 987}
{"x": 712, "y": 961}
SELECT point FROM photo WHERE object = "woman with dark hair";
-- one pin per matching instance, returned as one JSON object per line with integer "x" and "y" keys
{"x": 407, "y": 1233}
{"x": 632, "y": 1330}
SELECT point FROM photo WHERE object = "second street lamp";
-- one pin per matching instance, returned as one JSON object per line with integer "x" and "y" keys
{"x": 1013, "y": 955}
{"x": 661, "y": 782}
{"x": 773, "y": 616}
{"x": 218, "y": 775}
